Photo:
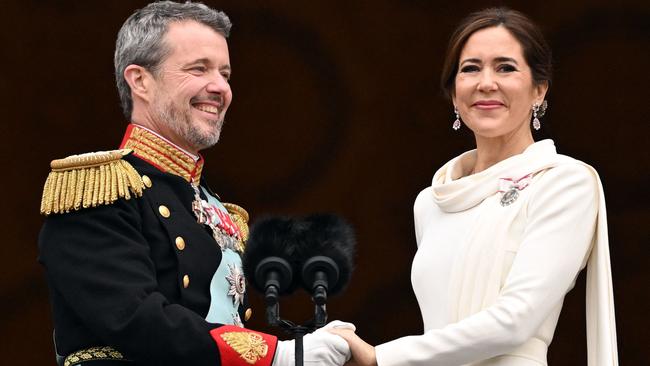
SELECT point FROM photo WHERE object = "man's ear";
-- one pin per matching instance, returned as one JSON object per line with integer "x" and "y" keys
{"x": 140, "y": 81}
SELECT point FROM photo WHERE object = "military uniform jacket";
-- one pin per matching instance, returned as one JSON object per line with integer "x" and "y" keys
{"x": 135, "y": 274}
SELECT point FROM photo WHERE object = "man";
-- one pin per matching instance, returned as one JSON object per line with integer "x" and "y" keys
{"x": 142, "y": 259}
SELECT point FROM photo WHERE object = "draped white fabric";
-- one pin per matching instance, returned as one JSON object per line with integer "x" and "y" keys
{"x": 502, "y": 310}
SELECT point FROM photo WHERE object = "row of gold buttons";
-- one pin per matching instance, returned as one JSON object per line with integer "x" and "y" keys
{"x": 180, "y": 243}
{"x": 164, "y": 212}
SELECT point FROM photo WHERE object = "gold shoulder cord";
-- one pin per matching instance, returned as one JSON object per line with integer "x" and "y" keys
{"x": 240, "y": 218}
{"x": 89, "y": 180}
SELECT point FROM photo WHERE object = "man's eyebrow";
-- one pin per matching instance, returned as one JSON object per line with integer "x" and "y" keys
{"x": 204, "y": 61}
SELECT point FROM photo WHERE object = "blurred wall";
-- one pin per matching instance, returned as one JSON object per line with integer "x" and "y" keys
{"x": 336, "y": 108}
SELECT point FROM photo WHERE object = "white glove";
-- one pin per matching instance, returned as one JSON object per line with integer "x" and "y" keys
{"x": 320, "y": 348}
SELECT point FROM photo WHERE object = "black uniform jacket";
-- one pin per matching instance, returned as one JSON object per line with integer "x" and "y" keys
{"x": 119, "y": 277}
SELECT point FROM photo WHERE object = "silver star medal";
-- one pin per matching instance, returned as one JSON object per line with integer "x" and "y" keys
{"x": 237, "y": 284}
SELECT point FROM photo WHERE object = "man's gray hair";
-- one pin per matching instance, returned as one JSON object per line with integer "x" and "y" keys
{"x": 140, "y": 40}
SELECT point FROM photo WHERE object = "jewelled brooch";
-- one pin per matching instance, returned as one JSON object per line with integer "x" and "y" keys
{"x": 510, "y": 187}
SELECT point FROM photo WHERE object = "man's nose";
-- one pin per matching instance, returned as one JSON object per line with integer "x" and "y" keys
{"x": 218, "y": 84}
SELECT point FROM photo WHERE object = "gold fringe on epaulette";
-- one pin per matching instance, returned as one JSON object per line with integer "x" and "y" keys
{"x": 89, "y": 180}
{"x": 240, "y": 218}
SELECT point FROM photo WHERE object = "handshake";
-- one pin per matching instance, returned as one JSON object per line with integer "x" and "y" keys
{"x": 335, "y": 344}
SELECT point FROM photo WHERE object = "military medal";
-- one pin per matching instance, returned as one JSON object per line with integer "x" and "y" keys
{"x": 224, "y": 231}
{"x": 510, "y": 188}
{"x": 236, "y": 319}
{"x": 237, "y": 284}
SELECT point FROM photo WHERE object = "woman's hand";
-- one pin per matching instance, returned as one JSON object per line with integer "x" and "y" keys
{"x": 363, "y": 354}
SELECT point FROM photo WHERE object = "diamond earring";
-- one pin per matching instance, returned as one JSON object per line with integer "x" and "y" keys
{"x": 456, "y": 124}
{"x": 538, "y": 111}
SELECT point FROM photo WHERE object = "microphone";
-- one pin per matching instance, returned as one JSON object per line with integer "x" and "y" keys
{"x": 269, "y": 257}
{"x": 327, "y": 256}
{"x": 315, "y": 252}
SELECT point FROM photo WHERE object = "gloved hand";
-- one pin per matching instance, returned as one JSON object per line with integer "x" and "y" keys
{"x": 320, "y": 348}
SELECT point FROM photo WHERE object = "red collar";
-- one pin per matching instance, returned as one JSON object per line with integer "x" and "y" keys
{"x": 161, "y": 153}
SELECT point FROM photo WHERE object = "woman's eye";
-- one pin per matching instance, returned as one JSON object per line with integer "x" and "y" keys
{"x": 469, "y": 68}
{"x": 506, "y": 68}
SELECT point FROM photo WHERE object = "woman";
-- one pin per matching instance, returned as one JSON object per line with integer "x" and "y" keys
{"x": 504, "y": 229}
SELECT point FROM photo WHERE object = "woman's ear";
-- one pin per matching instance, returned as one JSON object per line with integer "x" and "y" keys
{"x": 540, "y": 91}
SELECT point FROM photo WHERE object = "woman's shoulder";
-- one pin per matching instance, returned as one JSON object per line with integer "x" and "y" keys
{"x": 571, "y": 170}
{"x": 423, "y": 201}
{"x": 568, "y": 180}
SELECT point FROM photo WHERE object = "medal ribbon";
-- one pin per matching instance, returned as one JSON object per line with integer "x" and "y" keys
{"x": 507, "y": 184}
{"x": 218, "y": 220}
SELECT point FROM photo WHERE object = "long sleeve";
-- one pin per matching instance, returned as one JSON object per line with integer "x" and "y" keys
{"x": 107, "y": 289}
{"x": 561, "y": 218}
{"x": 99, "y": 263}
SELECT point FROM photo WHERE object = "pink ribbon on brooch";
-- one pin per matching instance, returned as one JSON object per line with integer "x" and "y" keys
{"x": 507, "y": 184}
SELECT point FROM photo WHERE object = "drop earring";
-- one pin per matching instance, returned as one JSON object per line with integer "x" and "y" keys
{"x": 538, "y": 111}
{"x": 456, "y": 124}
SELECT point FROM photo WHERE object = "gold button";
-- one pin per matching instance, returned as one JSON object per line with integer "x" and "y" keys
{"x": 164, "y": 211}
{"x": 248, "y": 314}
{"x": 180, "y": 243}
{"x": 186, "y": 281}
{"x": 147, "y": 181}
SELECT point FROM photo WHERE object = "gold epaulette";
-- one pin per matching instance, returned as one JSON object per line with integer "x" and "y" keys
{"x": 240, "y": 218}
{"x": 89, "y": 180}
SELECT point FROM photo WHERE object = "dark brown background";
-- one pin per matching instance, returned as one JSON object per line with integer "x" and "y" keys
{"x": 336, "y": 109}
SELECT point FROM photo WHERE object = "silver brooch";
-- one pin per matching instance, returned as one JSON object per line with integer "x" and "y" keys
{"x": 509, "y": 197}
{"x": 510, "y": 188}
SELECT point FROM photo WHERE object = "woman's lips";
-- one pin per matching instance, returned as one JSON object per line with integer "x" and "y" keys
{"x": 487, "y": 104}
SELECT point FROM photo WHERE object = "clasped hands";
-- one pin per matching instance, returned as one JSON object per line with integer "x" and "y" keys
{"x": 336, "y": 344}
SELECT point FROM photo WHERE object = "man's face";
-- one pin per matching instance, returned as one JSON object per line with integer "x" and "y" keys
{"x": 191, "y": 90}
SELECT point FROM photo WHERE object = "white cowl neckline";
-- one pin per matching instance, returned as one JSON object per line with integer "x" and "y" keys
{"x": 453, "y": 192}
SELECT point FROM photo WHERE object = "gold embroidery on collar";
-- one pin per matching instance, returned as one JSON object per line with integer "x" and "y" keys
{"x": 164, "y": 155}
{"x": 250, "y": 346}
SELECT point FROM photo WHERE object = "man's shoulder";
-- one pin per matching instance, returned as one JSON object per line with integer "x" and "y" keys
{"x": 90, "y": 180}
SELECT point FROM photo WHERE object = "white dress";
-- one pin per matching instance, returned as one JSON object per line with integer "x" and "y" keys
{"x": 490, "y": 277}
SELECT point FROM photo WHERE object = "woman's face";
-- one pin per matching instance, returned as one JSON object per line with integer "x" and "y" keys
{"x": 494, "y": 90}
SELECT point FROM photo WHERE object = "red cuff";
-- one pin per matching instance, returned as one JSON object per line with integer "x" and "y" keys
{"x": 244, "y": 347}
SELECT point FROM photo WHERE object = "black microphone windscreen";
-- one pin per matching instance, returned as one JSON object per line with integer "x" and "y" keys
{"x": 330, "y": 236}
{"x": 274, "y": 237}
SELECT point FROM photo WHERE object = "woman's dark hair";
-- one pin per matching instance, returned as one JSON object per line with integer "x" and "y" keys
{"x": 537, "y": 53}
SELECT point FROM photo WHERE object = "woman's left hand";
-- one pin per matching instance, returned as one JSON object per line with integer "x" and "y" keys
{"x": 363, "y": 354}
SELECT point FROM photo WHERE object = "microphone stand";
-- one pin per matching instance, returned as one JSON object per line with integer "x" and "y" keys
{"x": 276, "y": 273}
{"x": 297, "y": 331}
